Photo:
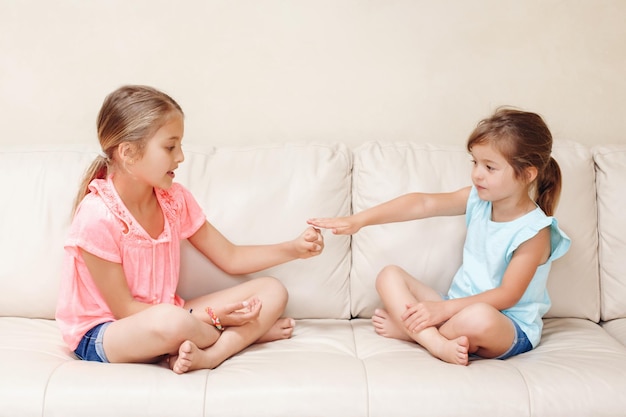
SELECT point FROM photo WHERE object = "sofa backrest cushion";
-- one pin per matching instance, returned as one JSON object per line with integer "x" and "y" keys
{"x": 253, "y": 195}
{"x": 264, "y": 194}
{"x": 611, "y": 182}
{"x": 574, "y": 283}
{"x": 38, "y": 194}
{"x": 431, "y": 249}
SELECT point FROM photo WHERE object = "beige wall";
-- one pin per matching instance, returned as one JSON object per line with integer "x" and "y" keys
{"x": 325, "y": 70}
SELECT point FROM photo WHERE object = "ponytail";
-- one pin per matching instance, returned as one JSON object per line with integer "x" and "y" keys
{"x": 97, "y": 170}
{"x": 549, "y": 187}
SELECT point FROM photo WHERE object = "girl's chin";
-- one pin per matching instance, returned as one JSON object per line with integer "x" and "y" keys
{"x": 482, "y": 193}
{"x": 166, "y": 184}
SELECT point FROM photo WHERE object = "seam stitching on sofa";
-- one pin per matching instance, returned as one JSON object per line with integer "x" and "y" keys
{"x": 362, "y": 362}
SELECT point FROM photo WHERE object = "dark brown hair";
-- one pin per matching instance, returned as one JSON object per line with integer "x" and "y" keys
{"x": 523, "y": 138}
{"x": 132, "y": 113}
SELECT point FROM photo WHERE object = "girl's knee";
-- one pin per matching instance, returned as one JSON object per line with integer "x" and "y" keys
{"x": 164, "y": 312}
{"x": 478, "y": 318}
{"x": 275, "y": 289}
{"x": 388, "y": 275}
{"x": 172, "y": 323}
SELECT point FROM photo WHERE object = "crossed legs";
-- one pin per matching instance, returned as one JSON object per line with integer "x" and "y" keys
{"x": 478, "y": 328}
{"x": 191, "y": 343}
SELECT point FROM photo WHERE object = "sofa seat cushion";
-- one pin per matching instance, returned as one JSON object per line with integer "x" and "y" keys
{"x": 315, "y": 373}
{"x": 403, "y": 376}
{"x": 577, "y": 370}
{"x": 31, "y": 350}
{"x": 616, "y": 328}
{"x": 329, "y": 367}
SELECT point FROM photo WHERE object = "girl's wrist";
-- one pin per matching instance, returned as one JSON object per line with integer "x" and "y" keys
{"x": 359, "y": 221}
{"x": 215, "y": 320}
{"x": 294, "y": 249}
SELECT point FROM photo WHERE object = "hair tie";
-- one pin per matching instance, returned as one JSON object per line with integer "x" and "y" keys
{"x": 103, "y": 155}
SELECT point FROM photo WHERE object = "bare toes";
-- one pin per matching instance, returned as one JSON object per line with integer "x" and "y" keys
{"x": 281, "y": 329}
{"x": 386, "y": 327}
{"x": 184, "y": 360}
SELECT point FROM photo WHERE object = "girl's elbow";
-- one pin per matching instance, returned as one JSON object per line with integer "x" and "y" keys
{"x": 229, "y": 269}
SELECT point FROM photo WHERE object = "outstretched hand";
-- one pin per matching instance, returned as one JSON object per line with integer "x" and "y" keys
{"x": 338, "y": 225}
{"x": 309, "y": 243}
{"x": 240, "y": 313}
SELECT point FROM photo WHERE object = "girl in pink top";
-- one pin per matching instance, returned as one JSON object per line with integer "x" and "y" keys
{"x": 118, "y": 300}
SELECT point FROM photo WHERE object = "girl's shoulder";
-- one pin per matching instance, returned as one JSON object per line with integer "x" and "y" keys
{"x": 559, "y": 240}
{"x": 98, "y": 200}
{"x": 103, "y": 199}
{"x": 94, "y": 218}
{"x": 535, "y": 221}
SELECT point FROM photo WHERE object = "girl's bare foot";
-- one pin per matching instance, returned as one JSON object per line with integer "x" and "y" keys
{"x": 385, "y": 326}
{"x": 454, "y": 351}
{"x": 281, "y": 329}
{"x": 187, "y": 358}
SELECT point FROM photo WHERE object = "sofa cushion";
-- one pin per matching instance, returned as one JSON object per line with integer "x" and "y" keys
{"x": 30, "y": 352}
{"x": 574, "y": 283}
{"x": 617, "y": 329}
{"x": 403, "y": 379}
{"x": 265, "y": 194}
{"x": 253, "y": 195}
{"x": 611, "y": 182}
{"x": 315, "y": 373}
{"x": 36, "y": 212}
{"x": 577, "y": 370}
{"x": 431, "y": 249}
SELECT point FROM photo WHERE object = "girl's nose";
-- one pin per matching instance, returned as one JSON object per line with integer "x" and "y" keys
{"x": 476, "y": 173}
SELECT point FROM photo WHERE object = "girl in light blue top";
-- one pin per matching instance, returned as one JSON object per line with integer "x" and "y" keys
{"x": 497, "y": 299}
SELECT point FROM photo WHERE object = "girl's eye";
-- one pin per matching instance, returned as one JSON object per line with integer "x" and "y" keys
{"x": 171, "y": 148}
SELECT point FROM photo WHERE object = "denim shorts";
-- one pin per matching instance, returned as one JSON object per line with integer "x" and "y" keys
{"x": 90, "y": 347}
{"x": 520, "y": 344}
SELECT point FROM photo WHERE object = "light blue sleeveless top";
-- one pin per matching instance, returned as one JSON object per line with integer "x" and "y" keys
{"x": 488, "y": 249}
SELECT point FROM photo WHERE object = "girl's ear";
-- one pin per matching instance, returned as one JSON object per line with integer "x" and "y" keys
{"x": 531, "y": 174}
{"x": 126, "y": 152}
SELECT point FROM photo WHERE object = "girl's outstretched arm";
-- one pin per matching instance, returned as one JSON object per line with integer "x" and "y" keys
{"x": 410, "y": 206}
{"x": 246, "y": 259}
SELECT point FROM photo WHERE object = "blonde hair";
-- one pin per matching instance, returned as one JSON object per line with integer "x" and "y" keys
{"x": 525, "y": 141}
{"x": 132, "y": 113}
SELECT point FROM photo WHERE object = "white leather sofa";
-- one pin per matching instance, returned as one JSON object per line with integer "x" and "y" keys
{"x": 335, "y": 364}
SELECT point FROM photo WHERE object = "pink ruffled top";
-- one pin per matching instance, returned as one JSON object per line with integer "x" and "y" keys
{"x": 103, "y": 226}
